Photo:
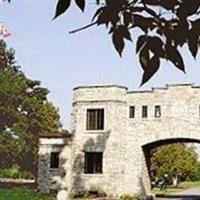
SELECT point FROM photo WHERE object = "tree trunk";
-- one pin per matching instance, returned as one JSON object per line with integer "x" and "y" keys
{"x": 175, "y": 181}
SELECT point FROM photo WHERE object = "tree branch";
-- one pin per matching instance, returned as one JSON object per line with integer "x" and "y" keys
{"x": 82, "y": 28}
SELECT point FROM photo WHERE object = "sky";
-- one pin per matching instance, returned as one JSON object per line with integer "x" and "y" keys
{"x": 62, "y": 61}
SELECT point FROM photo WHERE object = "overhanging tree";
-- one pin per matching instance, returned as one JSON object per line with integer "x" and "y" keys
{"x": 165, "y": 26}
{"x": 24, "y": 111}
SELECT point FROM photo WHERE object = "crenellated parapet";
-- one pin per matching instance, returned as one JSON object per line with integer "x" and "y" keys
{"x": 105, "y": 93}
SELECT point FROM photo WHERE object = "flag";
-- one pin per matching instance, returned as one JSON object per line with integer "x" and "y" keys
{"x": 4, "y": 31}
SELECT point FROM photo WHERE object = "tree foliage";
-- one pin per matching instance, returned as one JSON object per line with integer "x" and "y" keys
{"x": 175, "y": 160}
{"x": 24, "y": 109}
{"x": 195, "y": 175}
{"x": 165, "y": 26}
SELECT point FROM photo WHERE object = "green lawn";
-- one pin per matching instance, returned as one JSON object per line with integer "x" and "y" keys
{"x": 188, "y": 184}
{"x": 22, "y": 194}
{"x": 182, "y": 186}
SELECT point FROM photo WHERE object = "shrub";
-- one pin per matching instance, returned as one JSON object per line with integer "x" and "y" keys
{"x": 81, "y": 194}
{"x": 88, "y": 194}
{"x": 130, "y": 197}
{"x": 15, "y": 173}
{"x": 26, "y": 175}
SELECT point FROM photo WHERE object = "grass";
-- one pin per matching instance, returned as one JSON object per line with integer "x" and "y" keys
{"x": 182, "y": 186}
{"x": 166, "y": 191}
{"x": 22, "y": 194}
{"x": 187, "y": 184}
{"x": 27, "y": 194}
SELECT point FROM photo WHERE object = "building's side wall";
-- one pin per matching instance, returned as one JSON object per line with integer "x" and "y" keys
{"x": 110, "y": 141}
{"x": 50, "y": 179}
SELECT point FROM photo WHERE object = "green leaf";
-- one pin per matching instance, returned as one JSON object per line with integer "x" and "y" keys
{"x": 175, "y": 57}
{"x": 151, "y": 68}
{"x": 127, "y": 18}
{"x": 155, "y": 44}
{"x": 123, "y": 30}
{"x": 118, "y": 39}
{"x": 103, "y": 16}
{"x": 193, "y": 45}
{"x": 80, "y": 4}
{"x": 108, "y": 15}
{"x": 141, "y": 41}
{"x": 193, "y": 38}
{"x": 188, "y": 8}
{"x": 144, "y": 58}
{"x": 144, "y": 23}
{"x": 61, "y": 7}
{"x": 98, "y": 11}
{"x": 118, "y": 43}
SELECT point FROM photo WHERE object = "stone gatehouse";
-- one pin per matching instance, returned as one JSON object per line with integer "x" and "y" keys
{"x": 112, "y": 131}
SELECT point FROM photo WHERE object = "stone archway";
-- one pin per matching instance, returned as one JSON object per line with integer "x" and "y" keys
{"x": 147, "y": 156}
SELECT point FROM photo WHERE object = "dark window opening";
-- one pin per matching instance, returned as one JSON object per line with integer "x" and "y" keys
{"x": 132, "y": 112}
{"x": 144, "y": 111}
{"x": 93, "y": 162}
{"x": 95, "y": 119}
{"x": 54, "y": 160}
{"x": 157, "y": 111}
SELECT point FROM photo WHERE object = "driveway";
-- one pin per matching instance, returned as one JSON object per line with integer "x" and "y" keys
{"x": 189, "y": 194}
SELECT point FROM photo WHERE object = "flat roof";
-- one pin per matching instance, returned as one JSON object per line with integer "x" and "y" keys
{"x": 99, "y": 86}
{"x": 136, "y": 91}
{"x": 55, "y": 135}
{"x": 164, "y": 87}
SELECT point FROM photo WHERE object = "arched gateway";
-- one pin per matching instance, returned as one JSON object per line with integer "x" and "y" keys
{"x": 113, "y": 130}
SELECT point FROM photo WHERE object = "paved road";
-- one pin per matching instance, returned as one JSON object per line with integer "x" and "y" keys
{"x": 189, "y": 194}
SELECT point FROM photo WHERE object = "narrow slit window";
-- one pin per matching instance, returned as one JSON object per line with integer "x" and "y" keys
{"x": 157, "y": 111}
{"x": 199, "y": 110}
{"x": 93, "y": 163}
{"x": 95, "y": 119}
{"x": 144, "y": 111}
{"x": 132, "y": 111}
{"x": 54, "y": 160}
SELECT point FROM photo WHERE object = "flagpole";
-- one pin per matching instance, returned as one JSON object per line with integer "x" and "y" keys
{"x": 4, "y": 32}
{"x": 1, "y": 16}
{"x": 1, "y": 21}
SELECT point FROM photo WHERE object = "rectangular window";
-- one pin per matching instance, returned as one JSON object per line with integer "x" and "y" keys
{"x": 144, "y": 111}
{"x": 54, "y": 160}
{"x": 132, "y": 111}
{"x": 95, "y": 119}
{"x": 93, "y": 162}
{"x": 157, "y": 111}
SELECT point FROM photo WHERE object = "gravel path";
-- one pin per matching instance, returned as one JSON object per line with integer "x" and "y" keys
{"x": 189, "y": 194}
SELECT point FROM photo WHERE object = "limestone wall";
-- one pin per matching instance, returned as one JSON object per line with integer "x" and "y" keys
{"x": 122, "y": 139}
{"x": 180, "y": 114}
{"x": 124, "y": 169}
{"x": 51, "y": 178}
{"x": 110, "y": 140}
